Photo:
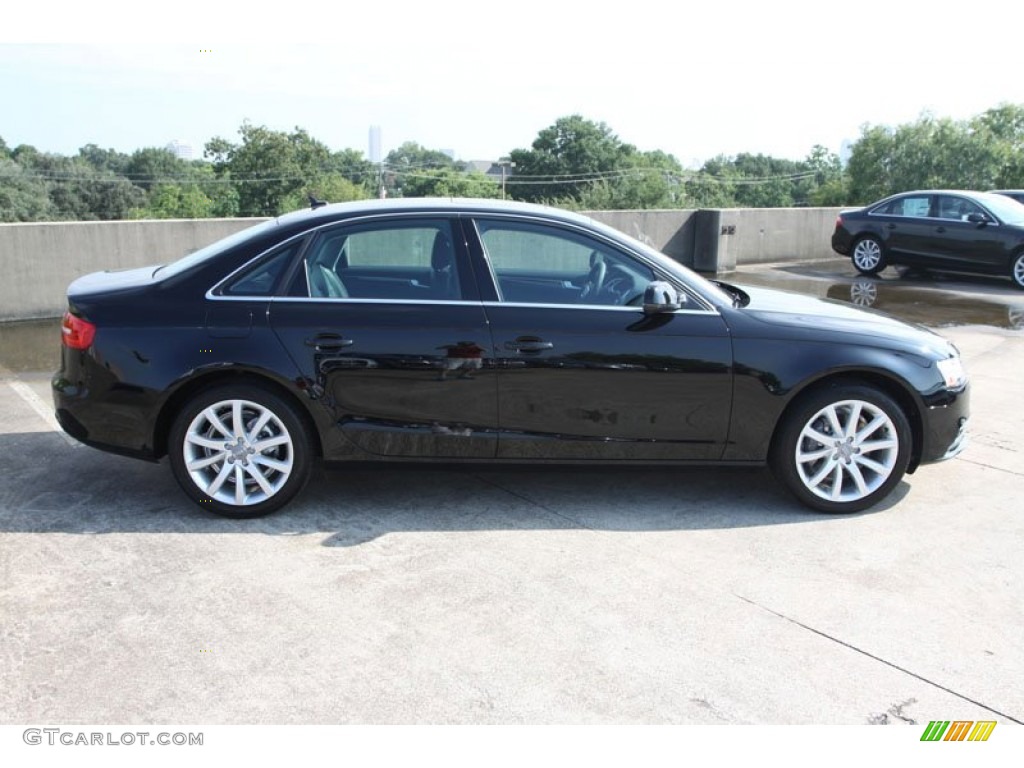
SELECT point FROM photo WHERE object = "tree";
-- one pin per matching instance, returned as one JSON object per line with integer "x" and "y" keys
{"x": 448, "y": 182}
{"x": 268, "y": 167}
{"x": 579, "y": 163}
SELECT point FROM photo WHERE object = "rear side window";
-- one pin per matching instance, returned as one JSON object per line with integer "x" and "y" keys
{"x": 263, "y": 278}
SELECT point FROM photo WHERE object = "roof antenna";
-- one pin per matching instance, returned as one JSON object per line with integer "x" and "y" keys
{"x": 314, "y": 203}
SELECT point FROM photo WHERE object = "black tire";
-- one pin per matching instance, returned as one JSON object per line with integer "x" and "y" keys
{"x": 868, "y": 256}
{"x": 1017, "y": 270}
{"x": 270, "y": 476}
{"x": 878, "y": 458}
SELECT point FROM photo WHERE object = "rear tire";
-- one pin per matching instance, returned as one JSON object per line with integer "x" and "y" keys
{"x": 843, "y": 448}
{"x": 868, "y": 256}
{"x": 240, "y": 450}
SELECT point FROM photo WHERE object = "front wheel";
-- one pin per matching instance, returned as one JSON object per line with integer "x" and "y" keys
{"x": 1017, "y": 270}
{"x": 868, "y": 256}
{"x": 240, "y": 450}
{"x": 842, "y": 449}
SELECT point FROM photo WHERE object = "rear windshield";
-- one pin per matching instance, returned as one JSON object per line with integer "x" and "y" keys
{"x": 198, "y": 257}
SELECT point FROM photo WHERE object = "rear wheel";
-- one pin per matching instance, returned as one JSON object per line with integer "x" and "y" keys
{"x": 868, "y": 256}
{"x": 240, "y": 450}
{"x": 1017, "y": 270}
{"x": 843, "y": 448}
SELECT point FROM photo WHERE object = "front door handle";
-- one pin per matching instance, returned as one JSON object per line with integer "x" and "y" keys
{"x": 940, "y": 229}
{"x": 528, "y": 344}
{"x": 890, "y": 226}
{"x": 326, "y": 342}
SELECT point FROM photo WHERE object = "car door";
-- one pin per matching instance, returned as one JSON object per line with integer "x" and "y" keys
{"x": 583, "y": 373}
{"x": 384, "y": 320}
{"x": 907, "y": 229}
{"x": 958, "y": 243}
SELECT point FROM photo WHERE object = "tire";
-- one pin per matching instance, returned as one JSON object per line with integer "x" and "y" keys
{"x": 868, "y": 256}
{"x": 843, "y": 448}
{"x": 1017, "y": 270}
{"x": 224, "y": 467}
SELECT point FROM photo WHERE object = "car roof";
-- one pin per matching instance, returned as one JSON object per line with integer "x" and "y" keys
{"x": 333, "y": 211}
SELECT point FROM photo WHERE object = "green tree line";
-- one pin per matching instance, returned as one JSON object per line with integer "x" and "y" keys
{"x": 575, "y": 162}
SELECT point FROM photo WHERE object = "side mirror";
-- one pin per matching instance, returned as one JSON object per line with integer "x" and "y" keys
{"x": 978, "y": 218}
{"x": 660, "y": 297}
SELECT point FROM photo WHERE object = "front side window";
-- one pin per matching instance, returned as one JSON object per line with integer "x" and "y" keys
{"x": 413, "y": 260}
{"x": 536, "y": 264}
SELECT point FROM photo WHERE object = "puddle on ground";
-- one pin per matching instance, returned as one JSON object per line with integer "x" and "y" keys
{"x": 933, "y": 300}
{"x": 30, "y": 345}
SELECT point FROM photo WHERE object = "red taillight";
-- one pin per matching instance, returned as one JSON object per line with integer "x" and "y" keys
{"x": 77, "y": 333}
{"x": 839, "y": 221}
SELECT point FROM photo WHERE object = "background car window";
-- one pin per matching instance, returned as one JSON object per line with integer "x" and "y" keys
{"x": 544, "y": 265}
{"x": 385, "y": 261}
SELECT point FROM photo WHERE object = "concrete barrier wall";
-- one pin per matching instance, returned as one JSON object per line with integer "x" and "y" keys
{"x": 37, "y": 261}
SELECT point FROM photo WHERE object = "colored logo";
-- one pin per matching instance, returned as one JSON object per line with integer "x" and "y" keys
{"x": 958, "y": 730}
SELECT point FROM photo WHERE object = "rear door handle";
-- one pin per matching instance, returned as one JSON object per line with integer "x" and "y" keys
{"x": 528, "y": 344}
{"x": 324, "y": 342}
{"x": 890, "y": 226}
{"x": 940, "y": 229}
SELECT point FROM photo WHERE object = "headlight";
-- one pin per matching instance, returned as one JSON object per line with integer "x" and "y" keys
{"x": 952, "y": 370}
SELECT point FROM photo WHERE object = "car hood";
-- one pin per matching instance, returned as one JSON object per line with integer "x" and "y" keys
{"x": 774, "y": 309}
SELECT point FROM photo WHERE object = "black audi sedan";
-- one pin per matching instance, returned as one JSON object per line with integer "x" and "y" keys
{"x": 945, "y": 230}
{"x": 484, "y": 331}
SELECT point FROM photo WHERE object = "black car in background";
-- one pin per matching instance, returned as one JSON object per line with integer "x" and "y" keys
{"x": 1014, "y": 194}
{"x": 975, "y": 232}
{"x": 484, "y": 331}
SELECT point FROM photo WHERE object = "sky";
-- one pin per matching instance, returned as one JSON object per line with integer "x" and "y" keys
{"x": 483, "y": 78}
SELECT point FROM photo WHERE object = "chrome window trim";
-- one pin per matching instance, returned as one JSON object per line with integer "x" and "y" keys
{"x": 709, "y": 307}
{"x": 458, "y": 303}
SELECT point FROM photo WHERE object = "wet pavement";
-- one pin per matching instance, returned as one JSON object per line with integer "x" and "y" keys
{"x": 929, "y": 298}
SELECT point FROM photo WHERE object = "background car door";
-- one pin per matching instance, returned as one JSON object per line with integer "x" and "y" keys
{"x": 962, "y": 244}
{"x": 907, "y": 229}
{"x": 583, "y": 373}
{"x": 386, "y": 325}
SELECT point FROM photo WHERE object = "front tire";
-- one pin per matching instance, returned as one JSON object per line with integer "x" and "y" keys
{"x": 843, "y": 448}
{"x": 1017, "y": 270}
{"x": 868, "y": 256}
{"x": 240, "y": 450}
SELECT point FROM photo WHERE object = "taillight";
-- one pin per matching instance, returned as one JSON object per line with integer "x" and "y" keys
{"x": 77, "y": 333}
{"x": 839, "y": 221}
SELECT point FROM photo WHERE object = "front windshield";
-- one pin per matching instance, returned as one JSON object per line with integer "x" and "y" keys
{"x": 192, "y": 259}
{"x": 1006, "y": 209}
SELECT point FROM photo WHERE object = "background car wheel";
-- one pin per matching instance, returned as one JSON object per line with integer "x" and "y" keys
{"x": 843, "y": 448}
{"x": 240, "y": 451}
{"x": 868, "y": 256}
{"x": 1017, "y": 270}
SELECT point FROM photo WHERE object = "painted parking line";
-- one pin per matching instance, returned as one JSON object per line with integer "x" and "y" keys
{"x": 37, "y": 404}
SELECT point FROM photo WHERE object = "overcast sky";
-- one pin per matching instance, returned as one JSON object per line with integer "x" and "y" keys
{"x": 482, "y": 78}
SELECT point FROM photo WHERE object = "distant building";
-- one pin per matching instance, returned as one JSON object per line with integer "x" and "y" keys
{"x": 845, "y": 150}
{"x": 180, "y": 150}
{"x": 375, "y": 151}
{"x": 489, "y": 168}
